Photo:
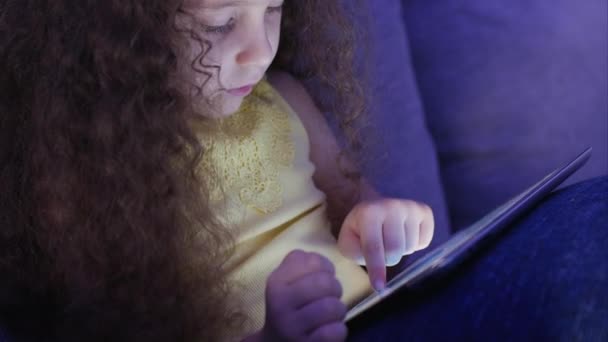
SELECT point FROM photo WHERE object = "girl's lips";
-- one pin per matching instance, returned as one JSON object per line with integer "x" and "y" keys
{"x": 242, "y": 91}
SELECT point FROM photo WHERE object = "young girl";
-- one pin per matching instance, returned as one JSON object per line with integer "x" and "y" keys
{"x": 165, "y": 174}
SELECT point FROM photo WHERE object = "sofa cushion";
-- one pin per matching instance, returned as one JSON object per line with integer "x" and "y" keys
{"x": 398, "y": 151}
{"x": 511, "y": 90}
{"x": 407, "y": 166}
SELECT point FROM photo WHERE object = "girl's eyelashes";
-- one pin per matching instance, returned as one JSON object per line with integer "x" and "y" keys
{"x": 275, "y": 9}
{"x": 223, "y": 29}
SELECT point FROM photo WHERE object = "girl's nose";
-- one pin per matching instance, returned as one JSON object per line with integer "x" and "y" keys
{"x": 257, "y": 50}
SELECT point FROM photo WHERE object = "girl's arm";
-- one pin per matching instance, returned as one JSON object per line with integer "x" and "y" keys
{"x": 342, "y": 193}
{"x": 373, "y": 231}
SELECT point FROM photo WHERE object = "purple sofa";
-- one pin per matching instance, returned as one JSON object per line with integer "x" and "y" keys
{"x": 478, "y": 99}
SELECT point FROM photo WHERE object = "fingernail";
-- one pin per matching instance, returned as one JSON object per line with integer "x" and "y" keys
{"x": 393, "y": 259}
{"x": 379, "y": 285}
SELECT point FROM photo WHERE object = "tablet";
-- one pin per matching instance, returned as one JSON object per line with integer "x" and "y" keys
{"x": 451, "y": 253}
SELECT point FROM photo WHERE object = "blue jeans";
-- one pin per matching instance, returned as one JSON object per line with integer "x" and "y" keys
{"x": 545, "y": 279}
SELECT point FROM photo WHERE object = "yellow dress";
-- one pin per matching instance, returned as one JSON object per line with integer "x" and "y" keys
{"x": 267, "y": 195}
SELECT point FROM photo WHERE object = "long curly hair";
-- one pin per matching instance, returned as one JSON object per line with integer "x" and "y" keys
{"x": 105, "y": 228}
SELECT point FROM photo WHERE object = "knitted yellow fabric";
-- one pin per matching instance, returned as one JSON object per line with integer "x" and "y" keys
{"x": 260, "y": 155}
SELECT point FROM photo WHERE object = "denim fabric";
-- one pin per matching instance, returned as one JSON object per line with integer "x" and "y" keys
{"x": 545, "y": 279}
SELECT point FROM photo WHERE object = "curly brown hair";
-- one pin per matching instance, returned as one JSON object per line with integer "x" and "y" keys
{"x": 105, "y": 229}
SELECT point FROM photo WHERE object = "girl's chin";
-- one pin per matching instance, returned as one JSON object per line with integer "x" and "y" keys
{"x": 230, "y": 107}
{"x": 218, "y": 115}
{"x": 225, "y": 110}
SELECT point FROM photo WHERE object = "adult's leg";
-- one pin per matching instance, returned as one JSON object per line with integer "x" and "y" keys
{"x": 545, "y": 279}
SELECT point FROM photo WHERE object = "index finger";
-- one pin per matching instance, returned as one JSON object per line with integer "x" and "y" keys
{"x": 373, "y": 251}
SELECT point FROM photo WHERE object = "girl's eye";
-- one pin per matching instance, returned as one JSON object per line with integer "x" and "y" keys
{"x": 274, "y": 9}
{"x": 223, "y": 29}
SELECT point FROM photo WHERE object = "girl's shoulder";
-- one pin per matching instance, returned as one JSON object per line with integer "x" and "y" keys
{"x": 298, "y": 98}
{"x": 324, "y": 149}
{"x": 292, "y": 91}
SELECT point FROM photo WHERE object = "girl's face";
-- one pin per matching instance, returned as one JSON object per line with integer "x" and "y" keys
{"x": 244, "y": 35}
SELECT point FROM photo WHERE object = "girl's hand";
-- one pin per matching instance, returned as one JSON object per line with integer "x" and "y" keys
{"x": 303, "y": 301}
{"x": 378, "y": 233}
